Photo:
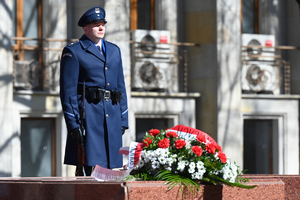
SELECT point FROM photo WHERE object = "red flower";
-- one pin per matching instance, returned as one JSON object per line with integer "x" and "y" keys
{"x": 147, "y": 142}
{"x": 197, "y": 150}
{"x": 179, "y": 143}
{"x": 210, "y": 148}
{"x": 201, "y": 138}
{"x": 218, "y": 147}
{"x": 222, "y": 157}
{"x": 172, "y": 134}
{"x": 164, "y": 143}
{"x": 154, "y": 132}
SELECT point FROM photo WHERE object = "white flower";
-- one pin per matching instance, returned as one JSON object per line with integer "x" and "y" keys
{"x": 169, "y": 161}
{"x": 192, "y": 165}
{"x": 197, "y": 175}
{"x": 200, "y": 164}
{"x": 152, "y": 154}
{"x": 153, "y": 159}
{"x": 141, "y": 163}
{"x": 162, "y": 160}
{"x": 200, "y": 167}
{"x": 193, "y": 176}
{"x": 190, "y": 151}
{"x": 186, "y": 162}
{"x": 155, "y": 164}
{"x": 215, "y": 172}
{"x": 147, "y": 159}
{"x": 188, "y": 143}
{"x": 146, "y": 156}
{"x": 174, "y": 156}
{"x": 159, "y": 151}
{"x": 191, "y": 170}
{"x": 169, "y": 168}
{"x": 232, "y": 180}
{"x": 233, "y": 167}
{"x": 165, "y": 152}
{"x": 216, "y": 155}
{"x": 181, "y": 166}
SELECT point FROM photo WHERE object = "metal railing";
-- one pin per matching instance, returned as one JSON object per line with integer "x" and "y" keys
{"x": 36, "y": 63}
{"x": 158, "y": 66}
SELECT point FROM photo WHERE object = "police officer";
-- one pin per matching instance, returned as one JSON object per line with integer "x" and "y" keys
{"x": 97, "y": 63}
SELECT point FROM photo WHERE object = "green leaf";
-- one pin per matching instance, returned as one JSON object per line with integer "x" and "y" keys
{"x": 175, "y": 179}
{"x": 236, "y": 184}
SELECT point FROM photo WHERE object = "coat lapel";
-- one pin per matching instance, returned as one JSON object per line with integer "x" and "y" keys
{"x": 108, "y": 51}
{"x": 91, "y": 48}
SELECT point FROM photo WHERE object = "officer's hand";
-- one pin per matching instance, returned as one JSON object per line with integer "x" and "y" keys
{"x": 77, "y": 134}
{"x": 123, "y": 130}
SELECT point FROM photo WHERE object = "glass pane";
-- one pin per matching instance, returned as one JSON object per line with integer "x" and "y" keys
{"x": 31, "y": 21}
{"x": 248, "y": 16}
{"x": 14, "y": 21}
{"x": 143, "y": 125}
{"x": 31, "y": 55}
{"x": 36, "y": 147}
{"x": 144, "y": 14}
{"x": 258, "y": 146}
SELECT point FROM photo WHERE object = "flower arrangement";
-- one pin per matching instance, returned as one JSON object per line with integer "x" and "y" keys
{"x": 183, "y": 155}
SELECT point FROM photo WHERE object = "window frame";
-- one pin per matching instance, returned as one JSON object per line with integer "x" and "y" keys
{"x": 134, "y": 14}
{"x": 256, "y": 16}
{"x": 19, "y": 31}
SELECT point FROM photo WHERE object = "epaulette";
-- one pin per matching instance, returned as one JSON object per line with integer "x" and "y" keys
{"x": 72, "y": 43}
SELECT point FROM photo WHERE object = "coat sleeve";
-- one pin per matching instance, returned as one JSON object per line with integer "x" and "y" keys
{"x": 69, "y": 73}
{"x": 122, "y": 88}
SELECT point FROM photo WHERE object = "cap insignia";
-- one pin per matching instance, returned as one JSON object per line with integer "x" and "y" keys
{"x": 97, "y": 10}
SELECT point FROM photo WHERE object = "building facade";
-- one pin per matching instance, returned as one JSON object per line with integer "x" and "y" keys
{"x": 228, "y": 68}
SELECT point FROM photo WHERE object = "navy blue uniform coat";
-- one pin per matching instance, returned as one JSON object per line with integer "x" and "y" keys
{"x": 82, "y": 61}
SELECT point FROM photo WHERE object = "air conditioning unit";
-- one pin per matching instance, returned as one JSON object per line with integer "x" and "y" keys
{"x": 25, "y": 74}
{"x": 258, "y": 54}
{"x": 151, "y": 44}
{"x": 152, "y": 66}
{"x": 261, "y": 78}
{"x": 153, "y": 76}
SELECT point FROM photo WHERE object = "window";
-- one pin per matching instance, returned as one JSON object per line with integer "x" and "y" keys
{"x": 28, "y": 33}
{"x": 249, "y": 16}
{"x": 142, "y": 14}
{"x": 28, "y": 24}
{"x": 37, "y": 147}
{"x": 261, "y": 146}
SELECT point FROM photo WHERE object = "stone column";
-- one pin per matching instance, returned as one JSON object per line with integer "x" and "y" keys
{"x": 10, "y": 149}
{"x": 229, "y": 129}
{"x": 199, "y": 26}
{"x": 214, "y": 69}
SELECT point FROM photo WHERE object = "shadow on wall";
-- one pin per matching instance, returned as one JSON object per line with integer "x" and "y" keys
{"x": 2, "y": 148}
{"x": 5, "y": 41}
{"x": 7, "y": 142}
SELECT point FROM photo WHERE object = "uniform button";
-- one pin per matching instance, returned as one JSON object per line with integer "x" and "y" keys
{"x": 108, "y": 84}
{"x": 106, "y": 115}
{"x": 106, "y": 68}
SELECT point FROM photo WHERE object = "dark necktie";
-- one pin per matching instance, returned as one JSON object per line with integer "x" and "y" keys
{"x": 98, "y": 47}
